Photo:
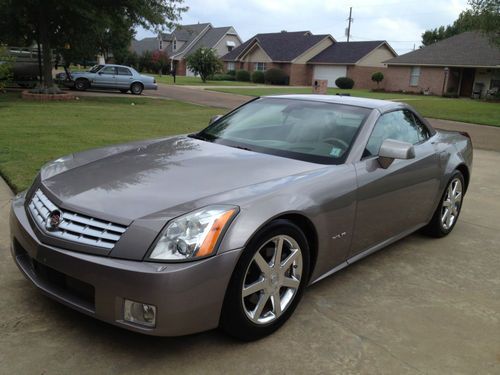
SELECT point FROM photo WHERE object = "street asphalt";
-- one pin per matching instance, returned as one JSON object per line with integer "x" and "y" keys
{"x": 420, "y": 306}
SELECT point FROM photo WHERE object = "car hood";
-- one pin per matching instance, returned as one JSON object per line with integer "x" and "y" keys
{"x": 128, "y": 182}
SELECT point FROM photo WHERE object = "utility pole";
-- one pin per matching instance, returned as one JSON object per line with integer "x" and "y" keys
{"x": 349, "y": 27}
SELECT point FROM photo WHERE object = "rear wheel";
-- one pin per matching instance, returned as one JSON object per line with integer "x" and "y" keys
{"x": 82, "y": 84}
{"x": 447, "y": 212}
{"x": 268, "y": 282}
{"x": 136, "y": 88}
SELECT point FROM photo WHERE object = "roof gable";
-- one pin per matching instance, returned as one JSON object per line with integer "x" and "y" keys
{"x": 466, "y": 49}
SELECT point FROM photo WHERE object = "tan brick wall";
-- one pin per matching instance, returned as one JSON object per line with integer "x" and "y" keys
{"x": 398, "y": 78}
{"x": 362, "y": 76}
{"x": 181, "y": 68}
{"x": 301, "y": 75}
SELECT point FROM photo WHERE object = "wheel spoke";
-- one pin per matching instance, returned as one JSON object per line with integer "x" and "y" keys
{"x": 290, "y": 282}
{"x": 449, "y": 220}
{"x": 257, "y": 312}
{"x": 278, "y": 250}
{"x": 287, "y": 263}
{"x": 261, "y": 262}
{"x": 445, "y": 216}
{"x": 276, "y": 301}
{"x": 254, "y": 288}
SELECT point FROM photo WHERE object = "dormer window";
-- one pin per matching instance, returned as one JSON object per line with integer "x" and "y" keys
{"x": 174, "y": 44}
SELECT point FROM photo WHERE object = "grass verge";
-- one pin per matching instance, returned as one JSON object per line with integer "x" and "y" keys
{"x": 33, "y": 133}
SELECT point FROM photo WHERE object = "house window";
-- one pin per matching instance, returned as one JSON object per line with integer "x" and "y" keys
{"x": 174, "y": 45}
{"x": 260, "y": 66}
{"x": 414, "y": 75}
{"x": 230, "y": 66}
{"x": 229, "y": 48}
{"x": 161, "y": 44}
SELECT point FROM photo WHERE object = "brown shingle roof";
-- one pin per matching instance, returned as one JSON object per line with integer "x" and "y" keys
{"x": 466, "y": 49}
{"x": 283, "y": 46}
{"x": 346, "y": 52}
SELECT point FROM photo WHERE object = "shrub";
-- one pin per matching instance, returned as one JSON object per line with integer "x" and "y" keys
{"x": 5, "y": 67}
{"x": 258, "y": 77}
{"x": 345, "y": 83}
{"x": 243, "y": 75}
{"x": 232, "y": 73}
{"x": 222, "y": 77}
{"x": 377, "y": 77}
{"x": 276, "y": 76}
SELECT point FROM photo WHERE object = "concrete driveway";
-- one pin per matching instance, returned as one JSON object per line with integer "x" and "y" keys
{"x": 420, "y": 306}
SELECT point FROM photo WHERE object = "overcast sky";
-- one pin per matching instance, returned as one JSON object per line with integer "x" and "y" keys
{"x": 401, "y": 23}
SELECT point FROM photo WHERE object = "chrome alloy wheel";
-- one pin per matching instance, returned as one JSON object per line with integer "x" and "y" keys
{"x": 451, "y": 203}
{"x": 272, "y": 279}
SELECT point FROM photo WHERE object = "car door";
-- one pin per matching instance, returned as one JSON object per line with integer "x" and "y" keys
{"x": 106, "y": 77}
{"x": 124, "y": 77}
{"x": 396, "y": 200}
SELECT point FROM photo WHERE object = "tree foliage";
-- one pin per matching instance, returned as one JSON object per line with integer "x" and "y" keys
{"x": 488, "y": 17}
{"x": 483, "y": 15}
{"x": 205, "y": 62}
{"x": 78, "y": 29}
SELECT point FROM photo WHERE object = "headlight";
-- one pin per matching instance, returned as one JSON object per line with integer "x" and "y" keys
{"x": 194, "y": 235}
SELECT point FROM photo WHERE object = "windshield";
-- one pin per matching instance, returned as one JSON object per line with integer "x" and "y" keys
{"x": 306, "y": 130}
{"x": 95, "y": 68}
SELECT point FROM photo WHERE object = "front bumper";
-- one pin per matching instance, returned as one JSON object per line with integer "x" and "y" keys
{"x": 188, "y": 296}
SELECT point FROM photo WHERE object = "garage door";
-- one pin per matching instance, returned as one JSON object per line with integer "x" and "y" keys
{"x": 329, "y": 72}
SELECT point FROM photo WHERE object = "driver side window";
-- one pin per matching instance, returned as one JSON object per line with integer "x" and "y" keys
{"x": 400, "y": 125}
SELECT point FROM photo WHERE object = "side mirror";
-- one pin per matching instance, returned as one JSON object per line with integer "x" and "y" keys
{"x": 214, "y": 118}
{"x": 392, "y": 149}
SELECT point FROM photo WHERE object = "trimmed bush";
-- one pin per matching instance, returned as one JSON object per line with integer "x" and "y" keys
{"x": 232, "y": 73}
{"x": 258, "y": 77}
{"x": 276, "y": 76}
{"x": 243, "y": 75}
{"x": 377, "y": 77}
{"x": 345, "y": 83}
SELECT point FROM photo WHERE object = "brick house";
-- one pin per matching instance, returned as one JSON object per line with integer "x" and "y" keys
{"x": 306, "y": 57}
{"x": 461, "y": 65}
{"x": 186, "y": 39}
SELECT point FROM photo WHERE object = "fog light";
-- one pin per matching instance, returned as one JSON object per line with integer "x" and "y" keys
{"x": 139, "y": 313}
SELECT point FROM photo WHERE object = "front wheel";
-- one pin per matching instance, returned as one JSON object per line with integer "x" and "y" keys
{"x": 136, "y": 88}
{"x": 81, "y": 84}
{"x": 267, "y": 283}
{"x": 446, "y": 215}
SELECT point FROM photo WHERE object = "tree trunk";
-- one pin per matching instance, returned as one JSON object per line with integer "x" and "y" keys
{"x": 48, "y": 82}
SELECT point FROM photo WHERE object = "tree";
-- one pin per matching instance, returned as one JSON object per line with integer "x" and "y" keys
{"x": 204, "y": 62}
{"x": 484, "y": 15}
{"x": 80, "y": 26}
{"x": 377, "y": 77}
{"x": 488, "y": 17}
{"x": 161, "y": 61}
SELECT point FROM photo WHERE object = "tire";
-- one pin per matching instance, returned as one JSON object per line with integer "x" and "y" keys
{"x": 252, "y": 314}
{"x": 136, "y": 88}
{"x": 81, "y": 84}
{"x": 123, "y": 91}
{"x": 441, "y": 225}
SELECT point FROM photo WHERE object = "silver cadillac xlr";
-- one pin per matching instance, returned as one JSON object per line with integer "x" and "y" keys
{"x": 226, "y": 227}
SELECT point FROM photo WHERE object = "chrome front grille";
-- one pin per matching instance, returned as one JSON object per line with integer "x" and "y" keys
{"x": 74, "y": 227}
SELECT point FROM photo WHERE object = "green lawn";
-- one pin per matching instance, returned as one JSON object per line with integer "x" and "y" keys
{"x": 33, "y": 133}
{"x": 465, "y": 110}
{"x": 196, "y": 81}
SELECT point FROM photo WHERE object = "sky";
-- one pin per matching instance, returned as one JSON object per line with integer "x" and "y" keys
{"x": 401, "y": 23}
